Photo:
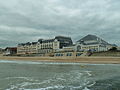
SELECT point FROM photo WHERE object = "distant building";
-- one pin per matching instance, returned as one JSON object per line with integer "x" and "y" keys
{"x": 118, "y": 48}
{"x": 1, "y": 51}
{"x": 10, "y": 51}
{"x": 93, "y": 43}
{"x": 44, "y": 46}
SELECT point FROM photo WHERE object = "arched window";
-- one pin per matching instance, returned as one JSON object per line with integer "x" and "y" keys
{"x": 78, "y": 47}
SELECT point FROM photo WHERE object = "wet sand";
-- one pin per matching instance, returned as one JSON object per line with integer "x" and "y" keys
{"x": 94, "y": 60}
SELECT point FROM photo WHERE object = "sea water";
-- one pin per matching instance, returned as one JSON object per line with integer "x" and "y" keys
{"x": 28, "y": 75}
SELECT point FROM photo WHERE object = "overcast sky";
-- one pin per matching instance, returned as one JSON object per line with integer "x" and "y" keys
{"x": 29, "y": 20}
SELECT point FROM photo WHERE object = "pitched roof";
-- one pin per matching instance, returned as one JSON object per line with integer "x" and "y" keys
{"x": 48, "y": 40}
{"x": 11, "y": 48}
{"x": 33, "y": 43}
{"x": 89, "y": 37}
{"x": 62, "y": 37}
{"x": 94, "y": 38}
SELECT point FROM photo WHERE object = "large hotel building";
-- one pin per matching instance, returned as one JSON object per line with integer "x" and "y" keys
{"x": 43, "y": 46}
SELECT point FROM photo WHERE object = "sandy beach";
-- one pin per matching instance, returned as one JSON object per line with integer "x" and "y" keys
{"x": 95, "y": 60}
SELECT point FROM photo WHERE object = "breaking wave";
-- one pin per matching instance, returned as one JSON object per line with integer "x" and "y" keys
{"x": 74, "y": 80}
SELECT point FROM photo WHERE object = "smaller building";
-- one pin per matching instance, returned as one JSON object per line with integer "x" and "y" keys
{"x": 1, "y": 50}
{"x": 68, "y": 54}
{"x": 10, "y": 51}
{"x": 118, "y": 48}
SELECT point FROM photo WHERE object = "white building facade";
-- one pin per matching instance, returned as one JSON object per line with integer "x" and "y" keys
{"x": 44, "y": 46}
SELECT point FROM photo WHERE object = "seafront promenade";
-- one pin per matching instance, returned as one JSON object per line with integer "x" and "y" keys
{"x": 94, "y": 60}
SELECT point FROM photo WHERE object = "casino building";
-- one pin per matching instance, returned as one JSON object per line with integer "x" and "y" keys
{"x": 93, "y": 43}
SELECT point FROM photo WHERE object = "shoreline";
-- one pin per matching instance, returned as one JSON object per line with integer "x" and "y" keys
{"x": 90, "y": 60}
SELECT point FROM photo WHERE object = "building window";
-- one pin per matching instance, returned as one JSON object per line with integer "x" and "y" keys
{"x": 58, "y": 54}
{"x": 61, "y": 54}
{"x": 78, "y": 54}
{"x": 69, "y": 54}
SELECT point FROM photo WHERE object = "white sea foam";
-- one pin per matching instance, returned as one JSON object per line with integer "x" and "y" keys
{"x": 89, "y": 73}
{"x": 45, "y": 62}
{"x": 22, "y": 86}
{"x": 90, "y": 85}
{"x": 34, "y": 62}
{"x": 25, "y": 78}
{"x": 54, "y": 82}
{"x": 49, "y": 87}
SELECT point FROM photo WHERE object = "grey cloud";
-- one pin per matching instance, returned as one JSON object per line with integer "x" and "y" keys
{"x": 27, "y": 20}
